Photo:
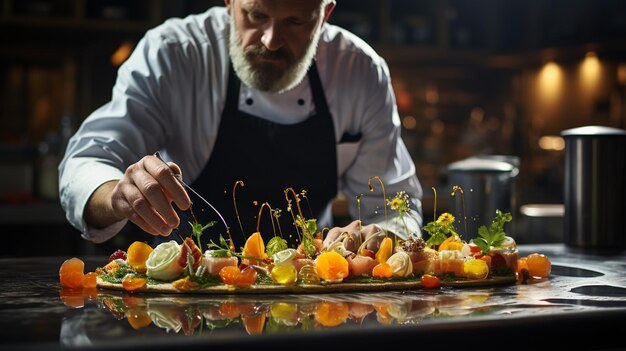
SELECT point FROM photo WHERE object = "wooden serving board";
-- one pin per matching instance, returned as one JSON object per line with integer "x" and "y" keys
{"x": 311, "y": 288}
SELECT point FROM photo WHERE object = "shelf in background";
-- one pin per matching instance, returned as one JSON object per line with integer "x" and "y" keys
{"x": 29, "y": 214}
{"x": 132, "y": 16}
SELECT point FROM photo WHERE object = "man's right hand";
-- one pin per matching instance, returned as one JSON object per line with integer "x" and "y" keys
{"x": 144, "y": 195}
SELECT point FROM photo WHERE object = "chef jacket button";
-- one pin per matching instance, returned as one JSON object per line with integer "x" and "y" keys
{"x": 300, "y": 102}
{"x": 249, "y": 101}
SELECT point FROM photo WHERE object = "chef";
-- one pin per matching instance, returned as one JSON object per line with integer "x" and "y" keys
{"x": 244, "y": 101}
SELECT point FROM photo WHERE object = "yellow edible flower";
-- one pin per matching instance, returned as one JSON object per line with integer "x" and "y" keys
{"x": 446, "y": 218}
{"x": 395, "y": 203}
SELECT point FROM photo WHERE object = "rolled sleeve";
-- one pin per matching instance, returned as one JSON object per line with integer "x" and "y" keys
{"x": 80, "y": 177}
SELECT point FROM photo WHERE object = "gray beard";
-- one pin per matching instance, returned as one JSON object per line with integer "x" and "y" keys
{"x": 267, "y": 78}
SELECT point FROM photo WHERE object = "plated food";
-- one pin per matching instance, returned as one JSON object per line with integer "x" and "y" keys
{"x": 357, "y": 257}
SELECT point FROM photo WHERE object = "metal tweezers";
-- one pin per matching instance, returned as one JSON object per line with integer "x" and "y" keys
{"x": 179, "y": 178}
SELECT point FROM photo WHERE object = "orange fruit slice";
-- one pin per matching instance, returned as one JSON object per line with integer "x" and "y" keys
{"x": 384, "y": 250}
{"x": 90, "y": 280}
{"x": 331, "y": 266}
{"x": 254, "y": 248}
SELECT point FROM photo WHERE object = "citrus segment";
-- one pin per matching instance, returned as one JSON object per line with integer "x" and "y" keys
{"x": 90, "y": 280}
{"x": 71, "y": 273}
{"x": 254, "y": 248}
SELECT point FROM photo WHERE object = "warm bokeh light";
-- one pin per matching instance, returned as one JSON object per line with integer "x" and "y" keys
{"x": 552, "y": 143}
{"x": 621, "y": 73}
{"x": 409, "y": 122}
{"x": 437, "y": 127}
{"x": 550, "y": 82}
{"x": 121, "y": 54}
{"x": 590, "y": 73}
{"x": 432, "y": 94}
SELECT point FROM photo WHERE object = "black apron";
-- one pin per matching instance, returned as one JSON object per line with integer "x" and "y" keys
{"x": 268, "y": 158}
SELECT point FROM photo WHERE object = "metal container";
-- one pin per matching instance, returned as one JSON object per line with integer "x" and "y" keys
{"x": 487, "y": 184}
{"x": 595, "y": 188}
{"x": 540, "y": 224}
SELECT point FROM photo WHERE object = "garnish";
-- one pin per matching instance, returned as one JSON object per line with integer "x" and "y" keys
{"x": 308, "y": 246}
{"x": 276, "y": 212}
{"x": 385, "y": 200}
{"x": 460, "y": 190}
{"x": 239, "y": 182}
{"x": 198, "y": 229}
{"x": 119, "y": 254}
{"x": 358, "y": 204}
{"x": 303, "y": 194}
{"x": 440, "y": 229}
{"x": 290, "y": 208}
{"x": 222, "y": 249}
{"x": 495, "y": 235}
{"x": 306, "y": 228}
{"x": 276, "y": 244}
{"x": 429, "y": 281}
{"x": 413, "y": 245}
{"x": 400, "y": 203}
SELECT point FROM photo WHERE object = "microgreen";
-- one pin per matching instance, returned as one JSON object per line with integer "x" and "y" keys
{"x": 197, "y": 230}
{"x": 222, "y": 249}
{"x": 309, "y": 228}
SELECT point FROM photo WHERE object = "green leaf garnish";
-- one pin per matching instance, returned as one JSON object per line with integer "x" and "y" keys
{"x": 197, "y": 229}
{"x": 495, "y": 235}
{"x": 440, "y": 229}
{"x": 311, "y": 225}
{"x": 222, "y": 249}
{"x": 276, "y": 244}
{"x": 308, "y": 246}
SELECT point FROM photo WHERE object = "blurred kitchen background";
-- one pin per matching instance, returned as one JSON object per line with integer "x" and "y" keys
{"x": 479, "y": 77}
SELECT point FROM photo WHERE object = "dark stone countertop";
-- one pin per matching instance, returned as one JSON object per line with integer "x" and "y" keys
{"x": 582, "y": 304}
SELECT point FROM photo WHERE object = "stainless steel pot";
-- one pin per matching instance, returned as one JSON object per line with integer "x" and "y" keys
{"x": 488, "y": 184}
{"x": 595, "y": 188}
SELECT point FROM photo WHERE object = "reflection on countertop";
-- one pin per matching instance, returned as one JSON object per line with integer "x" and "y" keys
{"x": 581, "y": 289}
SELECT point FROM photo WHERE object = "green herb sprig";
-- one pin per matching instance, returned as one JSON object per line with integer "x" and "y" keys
{"x": 198, "y": 229}
{"x": 222, "y": 249}
{"x": 495, "y": 235}
{"x": 440, "y": 229}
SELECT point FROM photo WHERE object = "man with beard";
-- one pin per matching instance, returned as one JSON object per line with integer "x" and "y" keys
{"x": 250, "y": 100}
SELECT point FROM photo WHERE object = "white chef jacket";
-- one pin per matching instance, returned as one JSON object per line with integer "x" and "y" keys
{"x": 169, "y": 96}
